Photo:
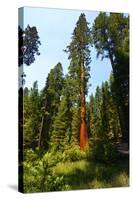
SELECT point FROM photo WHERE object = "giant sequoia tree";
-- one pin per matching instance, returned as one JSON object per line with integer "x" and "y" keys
{"x": 79, "y": 55}
{"x": 111, "y": 39}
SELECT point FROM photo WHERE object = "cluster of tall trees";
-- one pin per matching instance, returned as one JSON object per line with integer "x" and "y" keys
{"x": 111, "y": 39}
{"x": 58, "y": 116}
{"x": 104, "y": 123}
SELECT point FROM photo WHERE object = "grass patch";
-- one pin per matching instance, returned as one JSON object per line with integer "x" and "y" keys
{"x": 52, "y": 173}
{"x": 69, "y": 167}
{"x": 87, "y": 175}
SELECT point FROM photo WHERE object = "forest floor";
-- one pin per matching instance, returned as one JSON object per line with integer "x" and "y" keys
{"x": 88, "y": 175}
{"x": 46, "y": 174}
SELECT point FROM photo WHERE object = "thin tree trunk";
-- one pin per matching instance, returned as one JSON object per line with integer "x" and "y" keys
{"x": 40, "y": 134}
{"x": 44, "y": 131}
{"x": 83, "y": 125}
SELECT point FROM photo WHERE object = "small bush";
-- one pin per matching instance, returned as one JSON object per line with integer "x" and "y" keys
{"x": 122, "y": 180}
{"x": 41, "y": 177}
{"x": 30, "y": 155}
{"x": 51, "y": 158}
{"x": 101, "y": 151}
{"x": 52, "y": 182}
{"x": 73, "y": 154}
{"x": 32, "y": 176}
{"x": 95, "y": 184}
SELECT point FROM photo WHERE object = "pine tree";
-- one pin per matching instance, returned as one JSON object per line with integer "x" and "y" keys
{"x": 50, "y": 98}
{"x": 79, "y": 55}
{"x": 60, "y": 134}
{"x": 94, "y": 113}
{"x": 32, "y": 116}
{"x": 105, "y": 111}
{"x": 91, "y": 116}
{"x": 114, "y": 115}
{"x": 72, "y": 93}
{"x": 97, "y": 110}
{"x": 104, "y": 123}
{"x": 95, "y": 123}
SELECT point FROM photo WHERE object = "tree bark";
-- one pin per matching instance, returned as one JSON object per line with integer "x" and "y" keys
{"x": 40, "y": 134}
{"x": 83, "y": 124}
{"x": 44, "y": 133}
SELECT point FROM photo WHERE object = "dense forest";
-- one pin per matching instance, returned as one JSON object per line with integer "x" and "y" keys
{"x": 73, "y": 139}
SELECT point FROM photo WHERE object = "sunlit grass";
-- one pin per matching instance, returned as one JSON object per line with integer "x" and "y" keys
{"x": 70, "y": 167}
{"x": 52, "y": 174}
{"x": 87, "y": 175}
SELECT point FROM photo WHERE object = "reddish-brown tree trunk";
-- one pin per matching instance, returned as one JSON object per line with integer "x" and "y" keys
{"x": 83, "y": 125}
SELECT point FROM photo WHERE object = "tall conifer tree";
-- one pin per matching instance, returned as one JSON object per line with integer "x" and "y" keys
{"x": 32, "y": 116}
{"x": 79, "y": 55}
{"x": 50, "y": 96}
{"x": 111, "y": 39}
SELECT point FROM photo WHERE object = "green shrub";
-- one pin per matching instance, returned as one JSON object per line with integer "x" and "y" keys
{"x": 40, "y": 176}
{"x": 52, "y": 158}
{"x": 32, "y": 176}
{"x": 73, "y": 154}
{"x": 70, "y": 154}
{"x": 52, "y": 182}
{"x": 101, "y": 151}
{"x": 122, "y": 180}
{"x": 30, "y": 155}
{"x": 59, "y": 171}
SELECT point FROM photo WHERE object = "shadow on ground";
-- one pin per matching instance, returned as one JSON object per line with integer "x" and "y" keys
{"x": 13, "y": 187}
{"x": 97, "y": 175}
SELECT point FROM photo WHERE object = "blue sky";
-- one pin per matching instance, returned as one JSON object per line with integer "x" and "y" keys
{"x": 55, "y": 27}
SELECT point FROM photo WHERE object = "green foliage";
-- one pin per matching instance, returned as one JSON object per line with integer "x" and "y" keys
{"x": 73, "y": 154}
{"x": 79, "y": 47}
{"x": 102, "y": 151}
{"x": 78, "y": 71}
{"x": 39, "y": 174}
{"x": 60, "y": 134}
{"x": 32, "y": 116}
{"x": 28, "y": 45}
{"x": 53, "y": 183}
{"x": 50, "y": 99}
{"x": 94, "y": 113}
{"x": 53, "y": 160}
{"x": 75, "y": 125}
{"x": 110, "y": 35}
{"x": 33, "y": 171}
{"x": 104, "y": 128}
{"x": 30, "y": 155}
{"x": 85, "y": 175}
{"x": 79, "y": 54}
